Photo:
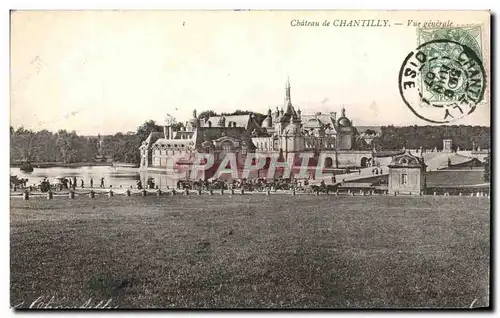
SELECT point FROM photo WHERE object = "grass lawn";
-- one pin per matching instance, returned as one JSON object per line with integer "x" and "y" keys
{"x": 251, "y": 251}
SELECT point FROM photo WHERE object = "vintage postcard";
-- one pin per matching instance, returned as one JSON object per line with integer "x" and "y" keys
{"x": 250, "y": 159}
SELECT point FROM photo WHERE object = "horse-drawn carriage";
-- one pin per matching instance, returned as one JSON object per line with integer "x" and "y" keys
{"x": 321, "y": 188}
{"x": 16, "y": 182}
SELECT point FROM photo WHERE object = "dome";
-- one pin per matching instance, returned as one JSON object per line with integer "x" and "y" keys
{"x": 193, "y": 122}
{"x": 407, "y": 160}
{"x": 267, "y": 123}
{"x": 344, "y": 121}
{"x": 291, "y": 129}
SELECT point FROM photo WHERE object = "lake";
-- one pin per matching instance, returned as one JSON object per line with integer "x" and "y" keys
{"x": 115, "y": 176}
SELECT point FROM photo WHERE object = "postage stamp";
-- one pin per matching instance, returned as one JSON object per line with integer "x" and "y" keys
{"x": 467, "y": 35}
{"x": 444, "y": 79}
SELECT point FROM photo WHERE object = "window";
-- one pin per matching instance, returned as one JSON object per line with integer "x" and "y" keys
{"x": 404, "y": 178}
{"x": 226, "y": 148}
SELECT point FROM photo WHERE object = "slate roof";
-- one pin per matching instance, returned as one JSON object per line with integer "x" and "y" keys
{"x": 439, "y": 160}
{"x": 240, "y": 120}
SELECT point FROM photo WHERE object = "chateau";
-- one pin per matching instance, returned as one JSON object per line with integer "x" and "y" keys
{"x": 284, "y": 131}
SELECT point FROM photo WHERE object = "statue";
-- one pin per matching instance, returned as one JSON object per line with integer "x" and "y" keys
{"x": 194, "y": 113}
{"x": 343, "y": 112}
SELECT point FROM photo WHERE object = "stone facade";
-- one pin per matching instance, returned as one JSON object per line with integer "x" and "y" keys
{"x": 447, "y": 145}
{"x": 283, "y": 132}
{"x": 406, "y": 174}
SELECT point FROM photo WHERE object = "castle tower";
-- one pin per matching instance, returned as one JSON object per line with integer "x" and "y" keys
{"x": 268, "y": 121}
{"x": 292, "y": 139}
{"x": 290, "y": 113}
{"x": 345, "y": 132}
{"x": 193, "y": 123}
{"x": 288, "y": 98}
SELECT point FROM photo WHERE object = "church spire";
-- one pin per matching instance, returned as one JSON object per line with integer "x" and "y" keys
{"x": 288, "y": 98}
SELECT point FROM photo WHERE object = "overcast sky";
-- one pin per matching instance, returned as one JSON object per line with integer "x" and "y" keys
{"x": 109, "y": 71}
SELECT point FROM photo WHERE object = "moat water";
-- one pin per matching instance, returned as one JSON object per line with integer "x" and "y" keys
{"x": 115, "y": 176}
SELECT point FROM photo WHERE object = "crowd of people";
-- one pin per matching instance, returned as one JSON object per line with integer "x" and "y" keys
{"x": 250, "y": 184}
{"x": 73, "y": 183}
{"x": 59, "y": 184}
{"x": 253, "y": 184}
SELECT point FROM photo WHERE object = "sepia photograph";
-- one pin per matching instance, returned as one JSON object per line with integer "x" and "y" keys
{"x": 242, "y": 159}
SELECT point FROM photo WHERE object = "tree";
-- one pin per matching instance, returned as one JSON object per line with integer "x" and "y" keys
{"x": 206, "y": 114}
{"x": 429, "y": 137}
{"x": 259, "y": 118}
{"x": 178, "y": 126}
{"x": 145, "y": 129}
{"x": 370, "y": 132}
{"x": 69, "y": 146}
{"x": 21, "y": 141}
{"x": 487, "y": 168}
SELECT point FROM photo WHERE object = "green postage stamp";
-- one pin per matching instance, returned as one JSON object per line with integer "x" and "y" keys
{"x": 447, "y": 72}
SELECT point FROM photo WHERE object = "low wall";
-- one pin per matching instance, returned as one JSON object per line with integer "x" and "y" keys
{"x": 376, "y": 191}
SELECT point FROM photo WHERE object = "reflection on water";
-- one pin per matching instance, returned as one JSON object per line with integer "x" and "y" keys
{"x": 115, "y": 176}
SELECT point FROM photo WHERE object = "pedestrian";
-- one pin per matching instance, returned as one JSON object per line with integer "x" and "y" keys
{"x": 70, "y": 183}
{"x": 81, "y": 183}
{"x": 91, "y": 183}
{"x": 74, "y": 183}
{"x": 102, "y": 182}
{"x": 381, "y": 171}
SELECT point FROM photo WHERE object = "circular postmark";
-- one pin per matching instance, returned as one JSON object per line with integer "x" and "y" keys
{"x": 442, "y": 81}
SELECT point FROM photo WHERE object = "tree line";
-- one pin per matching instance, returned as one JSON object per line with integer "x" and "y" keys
{"x": 430, "y": 137}
{"x": 46, "y": 146}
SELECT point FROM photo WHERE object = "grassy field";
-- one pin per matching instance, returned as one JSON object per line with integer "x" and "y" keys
{"x": 251, "y": 251}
